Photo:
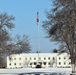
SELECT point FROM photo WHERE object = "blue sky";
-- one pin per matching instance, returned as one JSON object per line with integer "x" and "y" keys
{"x": 24, "y": 12}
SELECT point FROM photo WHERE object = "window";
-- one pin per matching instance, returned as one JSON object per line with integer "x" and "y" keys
{"x": 14, "y": 63}
{"x": 10, "y": 58}
{"x": 19, "y": 63}
{"x": 48, "y": 58}
{"x": 30, "y": 63}
{"x": 49, "y": 63}
{"x": 9, "y": 63}
{"x": 34, "y": 58}
{"x": 14, "y": 58}
{"x": 39, "y": 58}
{"x": 44, "y": 63}
{"x": 59, "y": 63}
{"x": 59, "y": 58}
{"x": 64, "y": 63}
{"x": 64, "y": 57}
{"x": 34, "y": 63}
{"x": 69, "y": 63}
{"x": 19, "y": 58}
{"x": 53, "y": 58}
{"x": 44, "y": 58}
{"x": 40, "y": 63}
{"x": 25, "y": 58}
{"x": 69, "y": 57}
{"x": 30, "y": 58}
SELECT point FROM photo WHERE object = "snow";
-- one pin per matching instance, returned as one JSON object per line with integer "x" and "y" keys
{"x": 64, "y": 71}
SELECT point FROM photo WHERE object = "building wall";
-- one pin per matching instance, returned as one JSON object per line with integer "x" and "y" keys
{"x": 63, "y": 60}
{"x": 45, "y": 59}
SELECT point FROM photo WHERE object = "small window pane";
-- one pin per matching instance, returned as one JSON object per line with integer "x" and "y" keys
{"x": 59, "y": 63}
{"x": 14, "y": 63}
{"x": 53, "y": 58}
{"x": 44, "y": 63}
{"x": 19, "y": 63}
{"x": 64, "y": 63}
{"x": 19, "y": 58}
{"x": 30, "y": 63}
{"x": 25, "y": 58}
{"x": 49, "y": 63}
{"x": 69, "y": 63}
{"x": 48, "y": 58}
{"x": 59, "y": 58}
{"x": 44, "y": 58}
{"x": 39, "y": 58}
{"x": 64, "y": 57}
{"x": 30, "y": 58}
{"x": 14, "y": 58}
{"x": 34, "y": 58}
{"x": 9, "y": 63}
{"x": 34, "y": 63}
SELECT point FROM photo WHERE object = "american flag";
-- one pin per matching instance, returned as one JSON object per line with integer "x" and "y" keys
{"x": 37, "y": 18}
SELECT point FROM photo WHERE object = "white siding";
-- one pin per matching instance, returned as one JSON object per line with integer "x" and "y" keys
{"x": 31, "y": 59}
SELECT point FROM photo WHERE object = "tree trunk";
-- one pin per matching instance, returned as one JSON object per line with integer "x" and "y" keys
{"x": 73, "y": 68}
{"x": 73, "y": 63}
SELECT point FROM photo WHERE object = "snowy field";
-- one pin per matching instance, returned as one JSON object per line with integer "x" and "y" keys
{"x": 42, "y": 71}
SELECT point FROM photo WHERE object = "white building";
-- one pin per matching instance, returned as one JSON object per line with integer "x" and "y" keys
{"x": 44, "y": 59}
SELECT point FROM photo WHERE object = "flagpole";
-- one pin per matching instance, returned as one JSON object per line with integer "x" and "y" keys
{"x": 37, "y": 20}
{"x": 38, "y": 42}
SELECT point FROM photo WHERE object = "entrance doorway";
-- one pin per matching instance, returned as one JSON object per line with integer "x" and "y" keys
{"x": 39, "y": 65}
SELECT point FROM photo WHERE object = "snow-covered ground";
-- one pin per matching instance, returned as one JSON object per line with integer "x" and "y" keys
{"x": 64, "y": 71}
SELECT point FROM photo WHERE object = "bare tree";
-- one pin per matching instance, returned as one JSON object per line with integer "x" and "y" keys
{"x": 6, "y": 24}
{"x": 7, "y": 44}
{"x": 21, "y": 44}
{"x": 55, "y": 51}
{"x": 61, "y": 26}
